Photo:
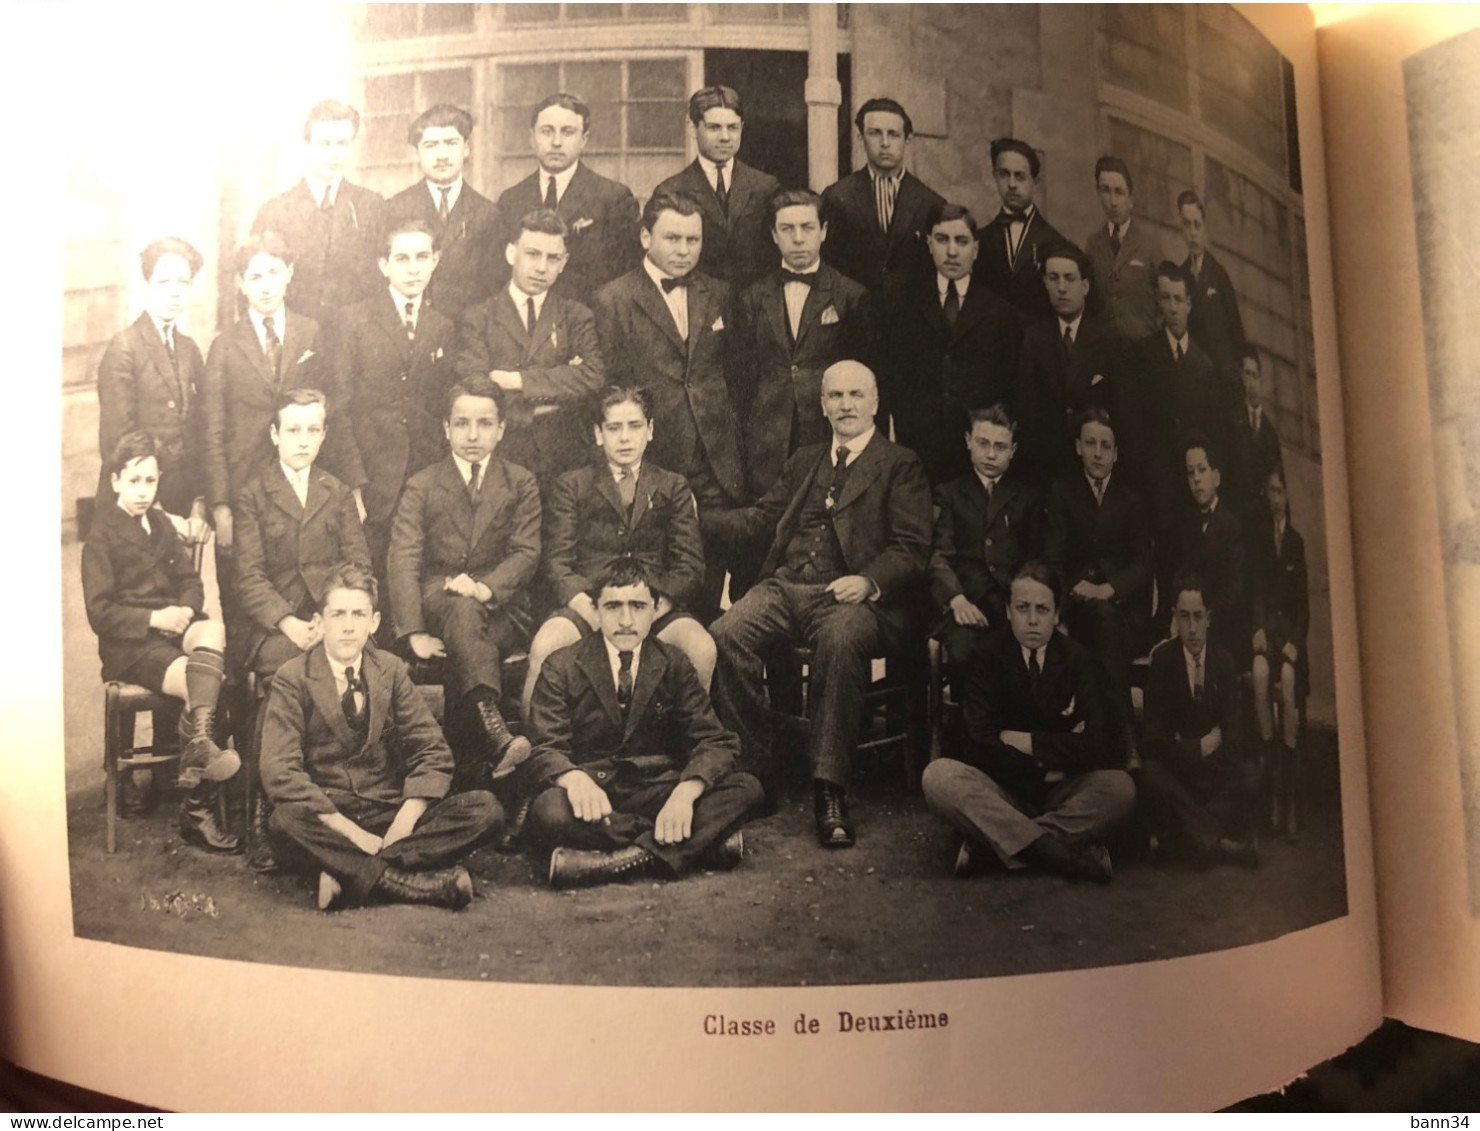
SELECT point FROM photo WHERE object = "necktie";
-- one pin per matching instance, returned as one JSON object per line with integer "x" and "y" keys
{"x": 474, "y": 482}
{"x": 953, "y": 304}
{"x": 411, "y": 321}
{"x": 1034, "y": 671}
{"x": 722, "y": 193}
{"x": 624, "y": 680}
{"x": 1099, "y": 486}
{"x": 274, "y": 346}
{"x": 797, "y": 277}
{"x": 1115, "y": 238}
{"x": 169, "y": 344}
{"x": 669, "y": 284}
{"x": 1068, "y": 342}
{"x": 529, "y": 315}
{"x": 840, "y": 473}
{"x": 1197, "y": 680}
{"x": 1177, "y": 351}
{"x": 627, "y": 487}
{"x": 550, "y": 198}
{"x": 351, "y": 703}
{"x": 1253, "y": 420}
{"x": 444, "y": 209}
{"x": 884, "y": 190}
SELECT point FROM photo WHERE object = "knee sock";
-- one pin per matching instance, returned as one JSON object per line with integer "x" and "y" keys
{"x": 204, "y": 670}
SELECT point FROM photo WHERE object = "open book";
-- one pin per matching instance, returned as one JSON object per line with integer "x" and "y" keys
{"x": 1333, "y": 165}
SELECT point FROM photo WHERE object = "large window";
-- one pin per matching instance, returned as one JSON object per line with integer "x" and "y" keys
{"x": 392, "y": 103}
{"x": 405, "y": 21}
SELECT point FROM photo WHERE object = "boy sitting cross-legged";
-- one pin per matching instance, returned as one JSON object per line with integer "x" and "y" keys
{"x": 144, "y": 601}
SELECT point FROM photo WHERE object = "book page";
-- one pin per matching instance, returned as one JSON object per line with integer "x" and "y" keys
{"x": 1402, "y": 82}
{"x": 807, "y": 978}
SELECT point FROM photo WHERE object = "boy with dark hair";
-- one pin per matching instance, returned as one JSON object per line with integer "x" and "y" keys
{"x": 731, "y": 195}
{"x": 1199, "y": 782}
{"x": 331, "y": 224}
{"x": 1041, "y": 779}
{"x": 539, "y": 347}
{"x": 1124, "y": 253}
{"x": 1215, "y": 321}
{"x": 465, "y": 222}
{"x": 600, "y": 214}
{"x": 148, "y": 381}
{"x": 144, "y": 601}
{"x": 395, "y": 362}
{"x": 357, "y": 768}
{"x": 294, "y": 523}
{"x": 621, "y": 505}
{"x": 638, "y": 775}
{"x": 987, "y": 524}
{"x": 1213, "y": 546}
{"x": 1013, "y": 243}
{"x": 465, "y": 545}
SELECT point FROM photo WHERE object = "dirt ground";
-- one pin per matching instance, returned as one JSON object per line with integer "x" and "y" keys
{"x": 792, "y": 914}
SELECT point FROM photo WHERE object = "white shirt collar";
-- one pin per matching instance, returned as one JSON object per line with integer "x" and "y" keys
{"x": 1124, "y": 226}
{"x": 985, "y": 481}
{"x": 465, "y": 469}
{"x": 657, "y": 276}
{"x": 400, "y": 301}
{"x": 159, "y": 326}
{"x": 1072, "y": 325}
{"x": 617, "y": 471}
{"x": 317, "y": 188}
{"x": 520, "y": 298}
{"x": 279, "y": 322}
{"x": 854, "y": 446}
{"x": 1041, "y": 652}
{"x": 1194, "y": 664}
{"x": 357, "y": 665}
{"x": 711, "y": 171}
{"x": 1181, "y": 343}
{"x": 613, "y": 657}
{"x": 1104, "y": 483}
{"x": 876, "y": 176}
{"x": 1024, "y": 216}
{"x": 142, "y": 518}
{"x": 942, "y": 284}
{"x": 812, "y": 270}
{"x": 562, "y": 181}
{"x": 454, "y": 190}
{"x": 295, "y": 476}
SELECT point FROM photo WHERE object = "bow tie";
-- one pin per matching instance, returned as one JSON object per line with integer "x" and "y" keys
{"x": 797, "y": 277}
{"x": 1013, "y": 217}
{"x": 669, "y": 284}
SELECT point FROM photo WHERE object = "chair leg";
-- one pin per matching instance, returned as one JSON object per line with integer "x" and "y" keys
{"x": 935, "y": 699}
{"x": 111, "y": 742}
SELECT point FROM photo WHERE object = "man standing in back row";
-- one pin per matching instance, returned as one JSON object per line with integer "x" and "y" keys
{"x": 600, "y": 215}
{"x": 876, "y": 216}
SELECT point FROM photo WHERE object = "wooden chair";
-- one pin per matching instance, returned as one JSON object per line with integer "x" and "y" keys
{"x": 122, "y": 703}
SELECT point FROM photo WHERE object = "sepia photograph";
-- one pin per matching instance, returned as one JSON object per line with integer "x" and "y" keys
{"x": 709, "y": 495}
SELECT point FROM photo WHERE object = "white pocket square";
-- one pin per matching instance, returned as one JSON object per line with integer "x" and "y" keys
{"x": 1069, "y": 710}
{"x": 719, "y": 324}
{"x": 829, "y": 316}
{"x": 582, "y": 224}
{"x": 438, "y": 355}
{"x": 1097, "y": 378}
{"x": 306, "y": 355}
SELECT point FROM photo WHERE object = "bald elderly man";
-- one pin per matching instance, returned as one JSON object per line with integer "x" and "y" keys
{"x": 847, "y": 524}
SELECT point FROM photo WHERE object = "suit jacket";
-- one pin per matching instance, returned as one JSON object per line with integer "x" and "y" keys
{"x": 1161, "y": 400}
{"x": 689, "y": 380}
{"x": 881, "y": 517}
{"x": 859, "y": 248}
{"x": 586, "y": 527}
{"x": 981, "y": 540}
{"x": 1281, "y": 596}
{"x": 1055, "y": 385}
{"x": 1215, "y": 323}
{"x": 239, "y": 396}
{"x": 1123, "y": 287}
{"x": 1176, "y": 723}
{"x": 138, "y": 389}
{"x": 1105, "y": 542}
{"x": 286, "y": 551}
{"x": 439, "y": 534}
{"x": 310, "y": 756}
{"x": 334, "y": 252}
{"x": 603, "y": 219}
{"x": 737, "y": 243}
{"x": 1065, "y": 714}
{"x": 1220, "y": 554}
{"x": 1255, "y": 453}
{"x": 930, "y": 376}
{"x": 397, "y": 391}
{"x": 126, "y": 575}
{"x": 1019, "y": 280}
{"x": 561, "y": 364}
{"x": 781, "y": 379}
{"x": 471, "y": 262}
{"x": 668, "y": 733}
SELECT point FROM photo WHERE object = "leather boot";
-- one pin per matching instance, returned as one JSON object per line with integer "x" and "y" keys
{"x": 259, "y": 848}
{"x": 198, "y": 823}
{"x": 506, "y": 750}
{"x": 200, "y": 757}
{"x": 138, "y": 794}
{"x": 508, "y": 841}
{"x": 830, "y": 808}
{"x": 1274, "y": 783}
{"x": 450, "y": 887}
{"x": 725, "y": 855}
{"x": 573, "y": 868}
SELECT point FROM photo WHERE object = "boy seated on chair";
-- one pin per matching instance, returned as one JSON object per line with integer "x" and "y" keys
{"x": 464, "y": 546}
{"x": 634, "y": 774}
{"x": 1198, "y": 780}
{"x": 357, "y": 768}
{"x": 144, "y": 600}
{"x": 294, "y": 523}
{"x": 620, "y": 506}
